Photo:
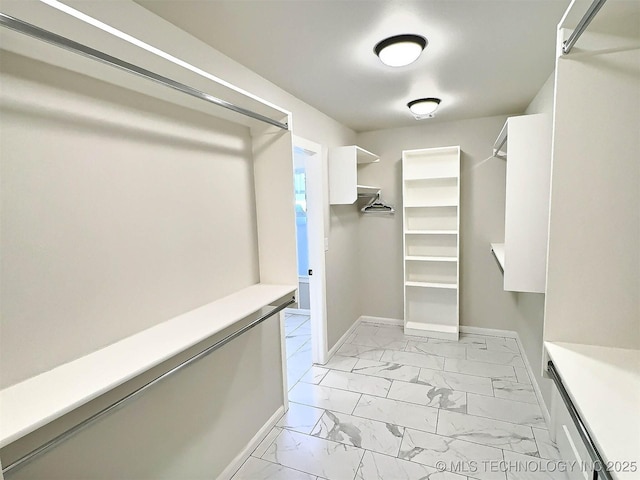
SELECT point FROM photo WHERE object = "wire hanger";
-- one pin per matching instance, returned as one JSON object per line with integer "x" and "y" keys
{"x": 378, "y": 206}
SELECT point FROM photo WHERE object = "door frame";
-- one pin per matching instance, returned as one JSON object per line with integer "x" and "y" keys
{"x": 317, "y": 216}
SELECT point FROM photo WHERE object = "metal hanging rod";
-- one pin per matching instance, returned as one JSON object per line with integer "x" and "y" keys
{"x": 75, "y": 47}
{"x": 568, "y": 44}
{"x": 80, "y": 426}
{"x": 600, "y": 469}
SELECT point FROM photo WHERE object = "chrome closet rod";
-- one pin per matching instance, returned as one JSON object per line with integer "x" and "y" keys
{"x": 75, "y": 47}
{"x": 600, "y": 470}
{"x": 568, "y": 44}
{"x": 77, "y": 428}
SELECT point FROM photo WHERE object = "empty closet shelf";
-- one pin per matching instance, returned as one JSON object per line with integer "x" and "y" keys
{"x": 498, "y": 252}
{"x": 431, "y": 232}
{"x": 433, "y": 204}
{"x": 451, "y": 286}
{"x": 422, "y": 258}
{"x": 34, "y": 402}
{"x": 367, "y": 190}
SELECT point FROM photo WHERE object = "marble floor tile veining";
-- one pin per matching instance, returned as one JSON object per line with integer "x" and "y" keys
{"x": 396, "y": 412}
{"x": 360, "y": 432}
{"x": 313, "y": 455}
{"x": 390, "y": 406}
{"x": 355, "y": 382}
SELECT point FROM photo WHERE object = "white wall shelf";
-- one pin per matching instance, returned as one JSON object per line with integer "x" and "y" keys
{"x": 431, "y": 195}
{"x": 367, "y": 190}
{"x": 498, "y": 252}
{"x": 30, "y": 404}
{"x": 344, "y": 187}
{"x": 431, "y": 232}
{"x": 418, "y": 258}
{"x": 523, "y": 257}
{"x": 431, "y": 285}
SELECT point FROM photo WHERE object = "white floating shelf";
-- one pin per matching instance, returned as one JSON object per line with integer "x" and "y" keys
{"x": 451, "y": 286}
{"x": 365, "y": 156}
{"x": 498, "y": 252}
{"x": 28, "y": 405}
{"x": 367, "y": 190}
{"x": 433, "y": 205}
{"x": 419, "y": 258}
{"x": 430, "y": 178}
{"x": 500, "y": 145}
{"x": 431, "y": 232}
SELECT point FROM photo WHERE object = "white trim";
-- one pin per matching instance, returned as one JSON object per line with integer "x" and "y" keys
{"x": 381, "y": 320}
{"x": 527, "y": 365}
{"x": 534, "y": 382}
{"x": 237, "y": 462}
{"x": 343, "y": 339}
{"x": 297, "y": 311}
{"x": 283, "y": 355}
{"x": 316, "y": 221}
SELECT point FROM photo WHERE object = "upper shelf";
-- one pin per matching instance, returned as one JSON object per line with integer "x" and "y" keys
{"x": 30, "y": 404}
{"x": 498, "y": 252}
{"x": 365, "y": 156}
{"x": 134, "y": 35}
{"x": 344, "y": 184}
{"x": 500, "y": 145}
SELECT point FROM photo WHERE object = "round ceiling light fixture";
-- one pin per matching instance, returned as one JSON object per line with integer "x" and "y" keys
{"x": 400, "y": 50}
{"x": 424, "y": 107}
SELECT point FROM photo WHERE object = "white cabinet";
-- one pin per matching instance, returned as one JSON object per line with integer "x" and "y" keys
{"x": 431, "y": 200}
{"x": 525, "y": 142}
{"x": 343, "y": 174}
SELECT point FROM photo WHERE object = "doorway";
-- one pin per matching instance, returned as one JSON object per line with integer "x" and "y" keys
{"x": 305, "y": 327}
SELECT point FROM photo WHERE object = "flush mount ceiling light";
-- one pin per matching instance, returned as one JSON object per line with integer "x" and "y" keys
{"x": 424, "y": 107}
{"x": 400, "y": 50}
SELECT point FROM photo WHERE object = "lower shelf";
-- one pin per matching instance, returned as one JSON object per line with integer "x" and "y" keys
{"x": 434, "y": 330}
{"x": 30, "y": 404}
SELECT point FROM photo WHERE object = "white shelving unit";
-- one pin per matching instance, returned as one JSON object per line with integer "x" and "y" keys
{"x": 431, "y": 222}
{"x": 344, "y": 187}
{"x": 525, "y": 142}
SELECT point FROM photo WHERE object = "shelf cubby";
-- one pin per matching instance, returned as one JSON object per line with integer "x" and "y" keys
{"x": 431, "y": 218}
{"x": 431, "y": 246}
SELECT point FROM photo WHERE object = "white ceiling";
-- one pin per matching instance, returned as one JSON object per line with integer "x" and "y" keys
{"x": 485, "y": 57}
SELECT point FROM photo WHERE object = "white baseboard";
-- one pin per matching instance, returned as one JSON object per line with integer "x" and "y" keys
{"x": 381, "y": 320}
{"x": 534, "y": 382}
{"x": 343, "y": 339}
{"x": 491, "y": 332}
{"x": 297, "y": 311}
{"x": 527, "y": 365}
{"x": 237, "y": 462}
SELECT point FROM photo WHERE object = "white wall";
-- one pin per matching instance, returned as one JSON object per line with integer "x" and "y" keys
{"x": 593, "y": 278}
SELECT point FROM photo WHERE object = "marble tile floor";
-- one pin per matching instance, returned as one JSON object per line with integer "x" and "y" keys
{"x": 298, "y": 347}
{"x": 393, "y": 407}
